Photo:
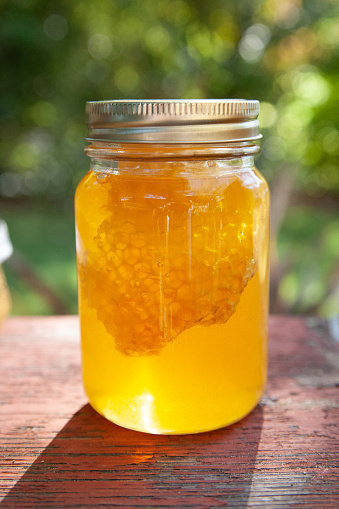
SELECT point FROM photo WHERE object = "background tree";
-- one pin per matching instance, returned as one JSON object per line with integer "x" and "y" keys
{"x": 55, "y": 56}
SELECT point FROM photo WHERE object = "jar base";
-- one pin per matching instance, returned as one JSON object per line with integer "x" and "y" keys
{"x": 154, "y": 427}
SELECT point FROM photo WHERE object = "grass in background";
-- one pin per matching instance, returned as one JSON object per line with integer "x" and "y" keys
{"x": 308, "y": 247}
{"x": 47, "y": 241}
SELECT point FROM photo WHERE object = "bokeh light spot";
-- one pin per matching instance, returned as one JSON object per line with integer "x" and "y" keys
{"x": 127, "y": 79}
{"x": 328, "y": 31}
{"x": 10, "y": 184}
{"x": 253, "y": 42}
{"x": 331, "y": 142}
{"x": 274, "y": 148}
{"x": 44, "y": 113}
{"x": 99, "y": 46}
{"x": 24, "y": 156}
{"x": 288, "y": 13}
{"x": 55, "y": 27}
{"x": 157, "y": 39}
{"x": 268, "y": 115}
{"x": 312, "y": 87}
{"x": 288, "y": 289}
{"x": 178, "y": 12}
{"x": 293, "y": 120}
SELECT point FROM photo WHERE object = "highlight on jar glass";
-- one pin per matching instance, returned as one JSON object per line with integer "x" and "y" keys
{"x": 172, "y": 226}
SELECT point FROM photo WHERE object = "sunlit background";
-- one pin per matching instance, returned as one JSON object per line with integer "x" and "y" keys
{"x": 57, "y": 55}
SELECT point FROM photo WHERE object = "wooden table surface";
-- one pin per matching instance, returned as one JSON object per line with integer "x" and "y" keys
{"x": 56, "y": 452}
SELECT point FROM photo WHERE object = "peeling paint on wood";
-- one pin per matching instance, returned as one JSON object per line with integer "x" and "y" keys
{"x": 56, "y": 452}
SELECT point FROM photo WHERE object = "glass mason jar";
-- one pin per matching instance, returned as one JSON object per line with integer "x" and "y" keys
{"x": 172, "y": 225}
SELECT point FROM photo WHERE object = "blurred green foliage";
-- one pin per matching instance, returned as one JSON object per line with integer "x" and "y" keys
{"x": 56, "y": 55}
{"x": 47, "y": 241}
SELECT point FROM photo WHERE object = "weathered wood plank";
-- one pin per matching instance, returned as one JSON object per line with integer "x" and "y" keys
{"x": 56, "y": 452}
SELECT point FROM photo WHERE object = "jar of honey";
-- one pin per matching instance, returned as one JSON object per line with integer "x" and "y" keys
{"x": 172, "y": 225}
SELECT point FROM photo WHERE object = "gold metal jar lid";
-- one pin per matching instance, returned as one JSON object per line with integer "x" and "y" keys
{"x": 173, "y": 121}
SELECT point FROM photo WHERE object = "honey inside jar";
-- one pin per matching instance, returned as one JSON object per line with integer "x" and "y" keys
{"x": 172, "y": 272}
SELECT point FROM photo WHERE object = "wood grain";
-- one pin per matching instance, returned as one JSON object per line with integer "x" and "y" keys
{"x": 56, "y": 452}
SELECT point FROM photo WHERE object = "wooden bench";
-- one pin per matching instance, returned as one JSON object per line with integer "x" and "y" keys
{"x": 56, "y": 452}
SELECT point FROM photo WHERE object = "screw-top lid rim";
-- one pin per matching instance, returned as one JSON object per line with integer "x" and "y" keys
{"x": 173, "y": 121}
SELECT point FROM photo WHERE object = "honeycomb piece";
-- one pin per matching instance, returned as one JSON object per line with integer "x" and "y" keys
{"x": 167, "y": 261}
